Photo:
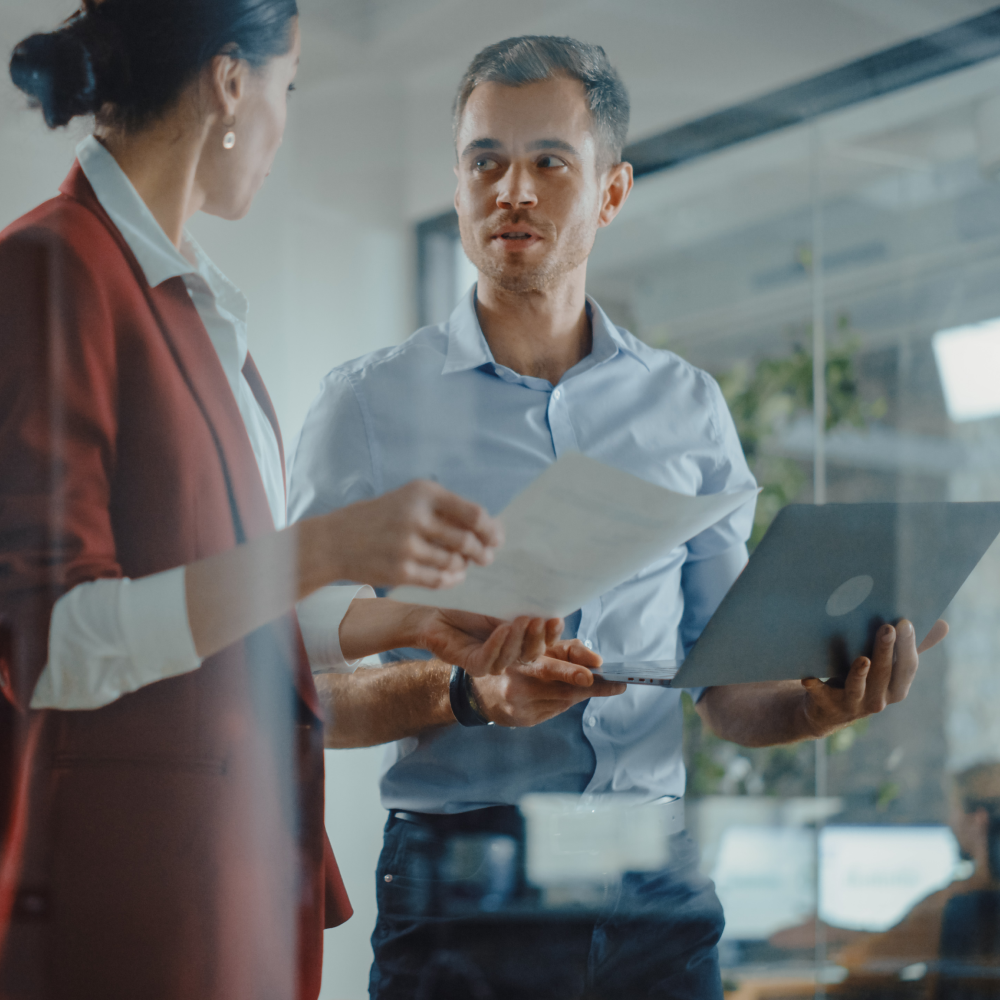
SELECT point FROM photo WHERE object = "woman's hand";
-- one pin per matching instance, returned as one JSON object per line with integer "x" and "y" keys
{"x": 481, "y": 645}
{"x": 418, "y": 534}
{"x": 478, "y": 644}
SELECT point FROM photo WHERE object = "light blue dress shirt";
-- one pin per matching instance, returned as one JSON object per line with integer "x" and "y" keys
{"x": 439, "y": 407}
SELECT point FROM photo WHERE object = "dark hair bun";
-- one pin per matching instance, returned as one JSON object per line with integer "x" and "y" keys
{"x": 127, "y": 61}
{"x": 57, "y": 71}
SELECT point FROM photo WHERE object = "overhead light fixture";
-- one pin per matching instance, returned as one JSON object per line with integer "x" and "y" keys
{"x": 968, "y": 361}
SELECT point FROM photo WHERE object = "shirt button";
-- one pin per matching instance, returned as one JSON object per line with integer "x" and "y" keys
{"x": 592, "y": 721}
{"x": 388, "y": 878}
{"x": 557, "y": 393}
{"x": 588, "y": 644}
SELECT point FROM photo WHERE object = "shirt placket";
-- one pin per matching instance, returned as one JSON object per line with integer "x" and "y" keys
{"x": 564, "y": 440}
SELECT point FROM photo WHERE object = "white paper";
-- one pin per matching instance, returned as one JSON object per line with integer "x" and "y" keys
{"x": 581, "y": 528}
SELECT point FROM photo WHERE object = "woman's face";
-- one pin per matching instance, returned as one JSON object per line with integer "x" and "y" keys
{"x": 230, "y": 178}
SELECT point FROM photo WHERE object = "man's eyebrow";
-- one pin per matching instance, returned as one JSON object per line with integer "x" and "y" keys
{"x": 480, "y": 144}
{"x": 553, "y": 144}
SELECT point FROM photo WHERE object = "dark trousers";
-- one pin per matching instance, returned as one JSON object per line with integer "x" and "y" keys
{"x": 441, "y": 937}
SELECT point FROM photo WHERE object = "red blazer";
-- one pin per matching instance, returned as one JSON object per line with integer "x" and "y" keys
{"x": 172, "y": 843}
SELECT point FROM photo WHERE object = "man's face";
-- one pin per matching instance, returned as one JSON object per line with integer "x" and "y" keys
{"x": 529, "y": 197}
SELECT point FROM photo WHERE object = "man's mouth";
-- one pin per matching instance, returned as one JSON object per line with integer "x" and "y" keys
{"x": 516, "y": 236}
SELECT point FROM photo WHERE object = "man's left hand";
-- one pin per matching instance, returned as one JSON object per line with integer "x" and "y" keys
{"x": 871, "y": 684}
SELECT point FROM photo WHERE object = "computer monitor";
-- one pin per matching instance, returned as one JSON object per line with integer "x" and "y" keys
{"x": 765, "y": 878}
{"x": 871, "y": 876}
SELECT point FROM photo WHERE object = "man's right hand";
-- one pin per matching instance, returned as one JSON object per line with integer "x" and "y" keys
{"x": 530, "y": 693}
{"x": 418, "y": 534}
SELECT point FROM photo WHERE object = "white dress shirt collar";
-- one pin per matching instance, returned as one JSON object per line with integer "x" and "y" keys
{"x": 467, "y": 347}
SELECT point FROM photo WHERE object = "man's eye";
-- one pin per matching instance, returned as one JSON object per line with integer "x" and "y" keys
{"x": 486, "y": 163}
{"x": 291, "y": 88}
{"x": 551, "y": 161}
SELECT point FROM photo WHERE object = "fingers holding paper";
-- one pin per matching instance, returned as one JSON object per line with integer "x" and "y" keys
{"x": 418, "y": 534}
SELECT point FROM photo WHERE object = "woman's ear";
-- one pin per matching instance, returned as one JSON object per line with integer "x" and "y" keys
{"x": 227, "y": 73}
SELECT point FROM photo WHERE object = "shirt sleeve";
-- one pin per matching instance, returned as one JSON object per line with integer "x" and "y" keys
{"x": 716, "y": 557}
{"x": 58, "y": 437}
{"x": 331, "y": 462}
{"x": 728, "y": 473}
{"x": 108, "y": 638}
{"x": 320, "y": 615}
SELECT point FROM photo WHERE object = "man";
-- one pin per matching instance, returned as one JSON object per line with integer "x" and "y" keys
{"x": 526, "y": 369}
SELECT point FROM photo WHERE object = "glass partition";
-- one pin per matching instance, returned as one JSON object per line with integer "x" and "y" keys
{"x": 871, "y": 235}
{"x": 868, "y": 238}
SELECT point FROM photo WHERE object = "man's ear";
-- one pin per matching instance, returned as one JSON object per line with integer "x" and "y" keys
{"x": 615, "y": 188}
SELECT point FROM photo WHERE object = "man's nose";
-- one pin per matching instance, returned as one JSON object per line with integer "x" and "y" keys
{"x": 517, "y": 189}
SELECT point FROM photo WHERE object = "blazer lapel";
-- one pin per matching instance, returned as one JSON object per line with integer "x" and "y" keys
{"x": 196, "y": 357}
{"x": 259, "y": 390}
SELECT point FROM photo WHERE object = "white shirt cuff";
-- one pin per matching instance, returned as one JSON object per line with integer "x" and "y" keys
{"x": 320, "y": 615}
{"x": 111, "y": 637}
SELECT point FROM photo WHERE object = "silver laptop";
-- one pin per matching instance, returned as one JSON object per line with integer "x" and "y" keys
{"x": 819, "y": 585}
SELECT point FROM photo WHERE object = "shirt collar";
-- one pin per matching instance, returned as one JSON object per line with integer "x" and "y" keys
{"x": 157, "y": 256}
{"x": 159, "y": 259}
{"x": 467, "y": 347}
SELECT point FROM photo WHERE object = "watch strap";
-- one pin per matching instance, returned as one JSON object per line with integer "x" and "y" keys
{"x": 463, "y": 700}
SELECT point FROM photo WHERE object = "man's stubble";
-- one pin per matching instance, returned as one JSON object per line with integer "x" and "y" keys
{"x": 514, "y": 273}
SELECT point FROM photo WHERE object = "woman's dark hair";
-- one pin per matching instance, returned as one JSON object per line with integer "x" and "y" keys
{"x": 127, "y": 61}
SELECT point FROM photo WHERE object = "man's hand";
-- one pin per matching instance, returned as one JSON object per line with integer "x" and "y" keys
{"x": 525, "y": 695}
{"x": 773, "y": 712}
{"x": 401, "y": 700}
{"x": 872, "y": 684}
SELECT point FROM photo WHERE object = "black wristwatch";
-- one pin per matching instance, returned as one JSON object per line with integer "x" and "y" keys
{"x": 463, "y": 700}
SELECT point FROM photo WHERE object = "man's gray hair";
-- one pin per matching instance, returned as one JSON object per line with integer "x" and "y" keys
{"x": 532, "y": 58}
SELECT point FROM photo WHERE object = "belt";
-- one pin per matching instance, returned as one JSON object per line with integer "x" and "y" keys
{"x": 492, "y": 819}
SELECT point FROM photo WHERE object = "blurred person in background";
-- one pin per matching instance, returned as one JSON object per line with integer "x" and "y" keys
{"x": 876, "y": 960}
{"x": 162, "y": 779}
{"x": 527, "y": 368}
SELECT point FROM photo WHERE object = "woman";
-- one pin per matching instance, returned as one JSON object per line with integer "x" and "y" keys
{"x": 164, "y": 836}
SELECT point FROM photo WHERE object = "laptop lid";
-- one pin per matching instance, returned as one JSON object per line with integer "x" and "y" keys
{"x": 824, "y": 578}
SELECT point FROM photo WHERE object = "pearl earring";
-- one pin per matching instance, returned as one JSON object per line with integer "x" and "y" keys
{"x": 229, "y": 140}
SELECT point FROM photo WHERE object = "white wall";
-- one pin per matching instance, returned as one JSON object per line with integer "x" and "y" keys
{"x": 354, "y": 820}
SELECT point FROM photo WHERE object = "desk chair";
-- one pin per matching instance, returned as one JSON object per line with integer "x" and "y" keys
{"x": 970, "y": 947}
